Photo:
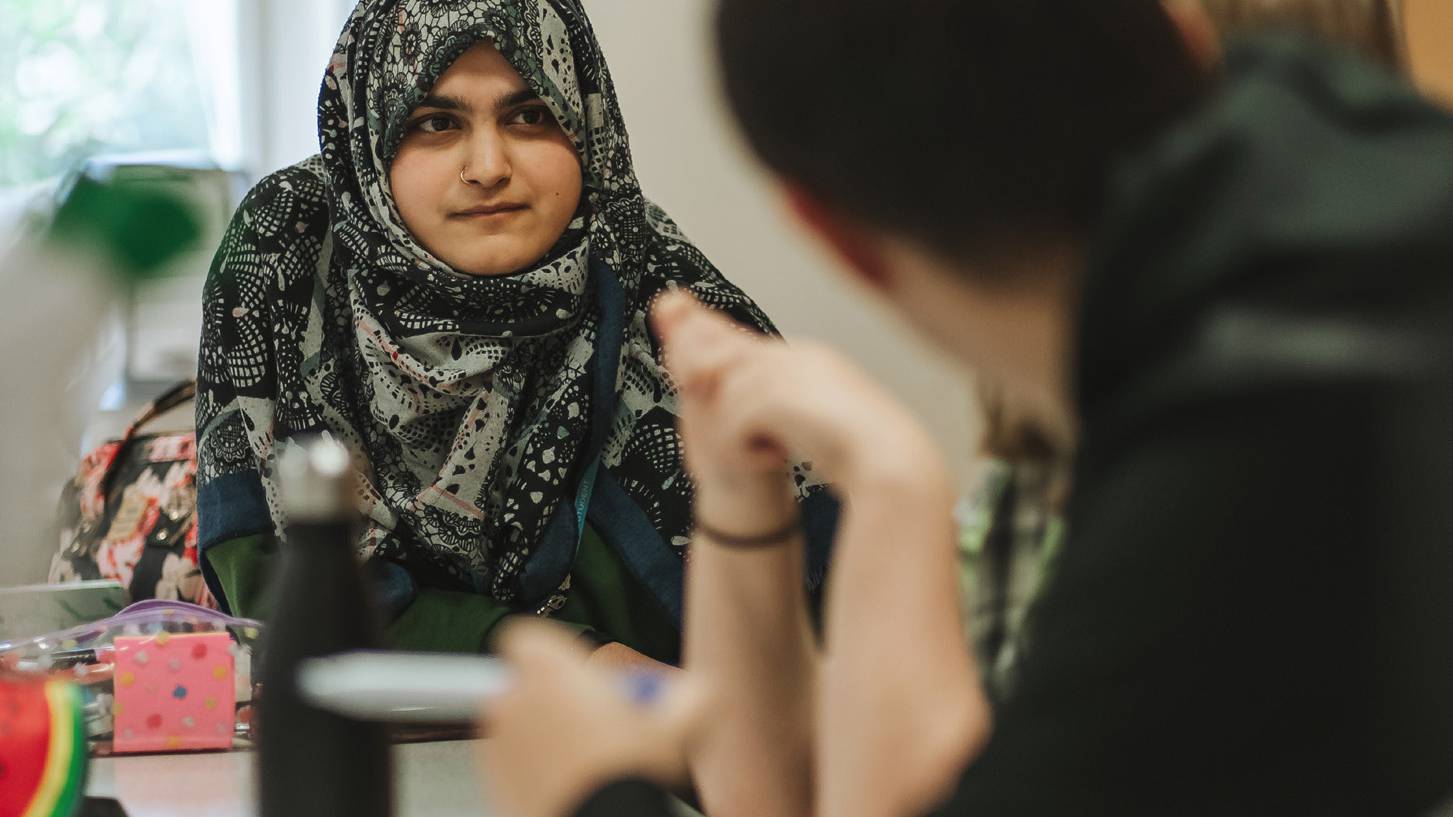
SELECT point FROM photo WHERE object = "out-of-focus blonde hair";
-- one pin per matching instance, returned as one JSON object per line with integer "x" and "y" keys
{"x": 1371, "y": 27}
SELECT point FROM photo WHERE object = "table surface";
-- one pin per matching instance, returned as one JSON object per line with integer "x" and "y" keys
{"x": 434, "y": 780}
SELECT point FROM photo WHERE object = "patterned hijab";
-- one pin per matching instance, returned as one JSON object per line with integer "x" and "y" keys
{"x": 472, "y": 400}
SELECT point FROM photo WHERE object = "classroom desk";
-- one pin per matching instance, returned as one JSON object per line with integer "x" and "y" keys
{"x": 434, "y": 780}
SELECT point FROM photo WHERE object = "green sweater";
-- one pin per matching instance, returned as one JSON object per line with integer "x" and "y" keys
{"x": 604, "y": 598}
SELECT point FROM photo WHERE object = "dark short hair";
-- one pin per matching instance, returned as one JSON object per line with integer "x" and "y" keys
{"x": 970, "y": 125}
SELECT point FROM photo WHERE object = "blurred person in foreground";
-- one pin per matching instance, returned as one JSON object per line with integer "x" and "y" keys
{"x": 1011, "y": 526}
{"x": 1224, "y": 276}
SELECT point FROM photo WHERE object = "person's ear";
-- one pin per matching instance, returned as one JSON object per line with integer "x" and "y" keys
{"x": 854, "y": 245}
{"x": 1197, "y": 30}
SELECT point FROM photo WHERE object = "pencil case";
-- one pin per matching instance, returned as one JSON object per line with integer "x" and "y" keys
{"x": 160, "y": 676}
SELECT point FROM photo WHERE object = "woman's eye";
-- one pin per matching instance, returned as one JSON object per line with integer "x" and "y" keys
{"x": 434, "y": 124}
{"x": 536, "y": 115}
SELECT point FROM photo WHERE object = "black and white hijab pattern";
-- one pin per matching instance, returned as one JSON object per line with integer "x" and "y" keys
{"x": 470, "y": 399}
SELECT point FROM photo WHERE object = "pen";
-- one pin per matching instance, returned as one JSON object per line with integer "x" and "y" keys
{"x": 417, "y": 687}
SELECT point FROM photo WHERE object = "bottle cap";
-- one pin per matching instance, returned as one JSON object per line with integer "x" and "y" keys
{"x": 315, "y": 476}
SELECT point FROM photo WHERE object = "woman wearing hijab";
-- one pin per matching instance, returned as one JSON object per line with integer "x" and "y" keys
{"x": 456, "y": 288}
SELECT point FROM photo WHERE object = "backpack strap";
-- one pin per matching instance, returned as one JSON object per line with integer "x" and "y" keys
{"x": 169, "y": 399}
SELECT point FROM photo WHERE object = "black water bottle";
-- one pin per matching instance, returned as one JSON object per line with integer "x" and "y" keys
{"x": 313, "y": 763}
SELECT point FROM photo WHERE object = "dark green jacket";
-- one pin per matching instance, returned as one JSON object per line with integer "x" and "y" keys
{"x": 605, "y": 599}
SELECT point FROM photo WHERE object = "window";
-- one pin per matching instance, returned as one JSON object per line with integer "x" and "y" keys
{"x": 167, "y": 82}
{"x": 80, "y": 77}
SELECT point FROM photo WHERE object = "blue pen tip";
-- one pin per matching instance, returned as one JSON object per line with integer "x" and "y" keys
{"x": 644, "y": 687}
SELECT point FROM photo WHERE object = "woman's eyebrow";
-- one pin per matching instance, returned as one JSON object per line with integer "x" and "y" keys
{"x": 517, "y": 98}
{"x": 450, "y": 102}
{"x": 446, "y": 102}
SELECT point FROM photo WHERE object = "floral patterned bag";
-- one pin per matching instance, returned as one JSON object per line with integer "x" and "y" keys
{"x": 130, "y": 513}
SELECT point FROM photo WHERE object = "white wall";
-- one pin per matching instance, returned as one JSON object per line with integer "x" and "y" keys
{"x": 691, "y": 161}
{"x": 285, "y": 46}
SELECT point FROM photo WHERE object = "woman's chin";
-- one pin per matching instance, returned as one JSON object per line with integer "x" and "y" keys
{"x": 487, "y": 272}
{"x": 495, "y": 265}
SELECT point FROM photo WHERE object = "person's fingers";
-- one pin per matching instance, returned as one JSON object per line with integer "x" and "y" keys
{"x": 669, "y": 310}
{"x": 547, "y": 662}
{"x": 532, "y": 645}
{"x": 684, "y": 710}
{"x": 754, "y": 408}
{"x": 672, "y": 317}
{"x": 698, "y": 342}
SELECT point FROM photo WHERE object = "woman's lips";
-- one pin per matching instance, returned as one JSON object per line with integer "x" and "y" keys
{"x": 493, "y": 211}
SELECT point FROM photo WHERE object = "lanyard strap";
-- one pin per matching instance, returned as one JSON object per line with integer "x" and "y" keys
{"x": 582, "y": 499}
{"x": 604, "y": 361}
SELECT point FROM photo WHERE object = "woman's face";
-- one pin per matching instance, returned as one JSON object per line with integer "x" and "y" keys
{"x": 485, "y": 178}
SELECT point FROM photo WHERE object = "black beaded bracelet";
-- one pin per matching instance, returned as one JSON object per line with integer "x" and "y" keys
{"x": 781, "y": 536}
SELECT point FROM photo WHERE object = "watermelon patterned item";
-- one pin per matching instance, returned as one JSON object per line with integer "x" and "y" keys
{"x": 42, "y": 748}
{"x": 174, "y": 692}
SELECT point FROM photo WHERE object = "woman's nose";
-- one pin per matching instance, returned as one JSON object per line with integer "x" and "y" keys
{"x": 489, "y": 162}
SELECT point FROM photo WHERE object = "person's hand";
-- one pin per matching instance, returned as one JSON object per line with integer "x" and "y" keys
{"x": 617, "y": 657}
{"x": 566, "y": 728}
{"x": 748, "y": 403}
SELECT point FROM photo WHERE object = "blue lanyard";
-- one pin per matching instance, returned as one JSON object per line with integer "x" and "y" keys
{"x": 582, "y": 500}
{"x": 607, "y": 355}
